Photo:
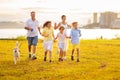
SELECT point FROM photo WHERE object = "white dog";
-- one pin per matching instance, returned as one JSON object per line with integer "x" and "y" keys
{"x": 16, "y": 53}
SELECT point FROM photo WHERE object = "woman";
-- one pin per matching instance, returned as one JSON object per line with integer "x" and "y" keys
{"x": 65, "y": 25}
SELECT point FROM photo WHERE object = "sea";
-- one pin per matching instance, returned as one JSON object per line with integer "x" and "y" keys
{"x": 86, "y": 33}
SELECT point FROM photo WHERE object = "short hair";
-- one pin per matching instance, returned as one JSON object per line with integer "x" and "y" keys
{"x": 63, "y": 16}
{"x": 61, "y": 28}
{"x": 32, "y": 12}
{"x": 74, "y": 23}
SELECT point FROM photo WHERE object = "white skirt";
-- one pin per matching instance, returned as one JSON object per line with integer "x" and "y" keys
{"x": 48, "y": 45}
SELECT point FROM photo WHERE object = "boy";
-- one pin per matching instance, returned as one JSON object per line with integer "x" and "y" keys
{"x": 74, "y": 35}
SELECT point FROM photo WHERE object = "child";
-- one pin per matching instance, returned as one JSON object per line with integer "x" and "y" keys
{"x": 65, "y": 25}
{"x": 74, "y": 35}
{"x": 48, "y": 37}
{"x": 61, "y": 42}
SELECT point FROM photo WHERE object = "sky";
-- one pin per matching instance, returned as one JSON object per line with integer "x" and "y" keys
{"x": 18, "y": 10}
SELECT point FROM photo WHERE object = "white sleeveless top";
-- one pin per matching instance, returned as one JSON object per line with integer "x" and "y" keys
{"x": 65, "y": 26}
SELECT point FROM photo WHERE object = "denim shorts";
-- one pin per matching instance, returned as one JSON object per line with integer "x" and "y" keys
{"x": 32, "y": 40}
{"x": 62, "y": 46}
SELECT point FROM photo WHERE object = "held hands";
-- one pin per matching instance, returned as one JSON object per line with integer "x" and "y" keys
{"x": 31, "y": 30}
{"x": 54, "y": 39}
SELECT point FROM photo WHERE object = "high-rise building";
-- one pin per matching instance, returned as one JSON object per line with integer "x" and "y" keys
{"x": 94, "y": 17}
{"x": 107, "y": 18}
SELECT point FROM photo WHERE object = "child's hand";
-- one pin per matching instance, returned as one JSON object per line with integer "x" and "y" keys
{"x": 46, "y": 35}
{"x": 54, "y": 39}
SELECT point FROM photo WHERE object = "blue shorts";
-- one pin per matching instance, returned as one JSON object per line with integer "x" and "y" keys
{"x": 62, "y": 46}
{"x": 32, "y": 40}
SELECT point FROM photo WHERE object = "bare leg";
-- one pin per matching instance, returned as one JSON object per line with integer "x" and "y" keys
{"x": 45, "y": 57}
{"x": 45, "y": 53}
{"x": 50, "y": 52}
{"x": 34, "y": 49}
{"x": 60, "y": 56}
{"x": 29, "y": 48}
{"x": 78, "y": 54}
{"x": 72, "y": 52}
{"x": 64, "y": 53}
{"x": 72, "y": 57}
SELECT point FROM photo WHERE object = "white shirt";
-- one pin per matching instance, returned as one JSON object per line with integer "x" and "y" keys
{"x": 34, "y": 25}
{"x": 61, "y": 38}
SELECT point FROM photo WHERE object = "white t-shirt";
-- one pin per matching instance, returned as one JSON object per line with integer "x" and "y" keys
{"x": 61, "y": 38}
{"x": 34, "y": 25}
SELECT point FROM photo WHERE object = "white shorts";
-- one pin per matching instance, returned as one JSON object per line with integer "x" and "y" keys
{"x": 62, "y": 46}
{"x": 48, "y": 45}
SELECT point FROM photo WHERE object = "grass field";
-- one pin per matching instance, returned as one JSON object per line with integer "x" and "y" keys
{"x": 99, "y": 60}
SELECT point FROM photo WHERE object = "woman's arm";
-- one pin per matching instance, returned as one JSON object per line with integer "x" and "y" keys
{"x": 69, "y": 25}
{"x": 56, "y": 26}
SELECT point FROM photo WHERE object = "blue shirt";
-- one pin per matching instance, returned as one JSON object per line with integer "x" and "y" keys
{"x": 75, "y": 34}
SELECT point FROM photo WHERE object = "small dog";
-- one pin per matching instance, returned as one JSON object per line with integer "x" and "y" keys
{"x": 16, "y": 53}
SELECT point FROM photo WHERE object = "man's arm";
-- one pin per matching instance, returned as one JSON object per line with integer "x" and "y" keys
{"x": 28, "y": 28}
{"x": 39, "y": 29}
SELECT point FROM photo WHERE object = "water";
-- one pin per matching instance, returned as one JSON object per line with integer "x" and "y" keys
{"x": 86, "y": 33}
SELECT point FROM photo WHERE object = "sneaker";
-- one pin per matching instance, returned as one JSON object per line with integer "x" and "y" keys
{"x": 72, "y": 58}
{"x": 50, "y": 61}
{"x": 78, "y": 60}
{"x": 34, "y": 57}
{"x": 64, "y": 58}
{"x": 45, "y": 58}
{"x": 60, "y": 59}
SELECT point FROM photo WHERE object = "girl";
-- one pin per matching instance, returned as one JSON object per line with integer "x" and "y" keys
{"x": 61, "y": 42}
{"x": 65, "y": 25}
{"x": 48, "y": 37}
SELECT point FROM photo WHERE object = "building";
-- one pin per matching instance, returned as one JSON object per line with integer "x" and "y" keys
{"x": 106, "y": 19}
{"x": 116, "y": 24}
{"x": 94, "y": 17}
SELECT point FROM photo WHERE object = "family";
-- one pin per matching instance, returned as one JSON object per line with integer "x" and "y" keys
{"x": 32, "y": 27}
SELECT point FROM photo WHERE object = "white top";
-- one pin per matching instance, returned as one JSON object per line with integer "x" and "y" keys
{"x": 65, "y": 26}
{"x": 34, "y": 25}
{"x": 61, "y": 38}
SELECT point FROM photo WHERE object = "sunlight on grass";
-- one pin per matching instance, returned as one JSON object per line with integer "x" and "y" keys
{"x": 99, "y": 60}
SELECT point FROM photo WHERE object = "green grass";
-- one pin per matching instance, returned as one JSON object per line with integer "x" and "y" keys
{"x": 99, "y": 60}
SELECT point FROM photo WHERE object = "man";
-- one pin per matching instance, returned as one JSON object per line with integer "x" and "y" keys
{"x": 32, "y": 27}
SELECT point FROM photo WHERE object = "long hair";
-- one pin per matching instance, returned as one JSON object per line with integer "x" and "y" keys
{"x": 46, "y": 23}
